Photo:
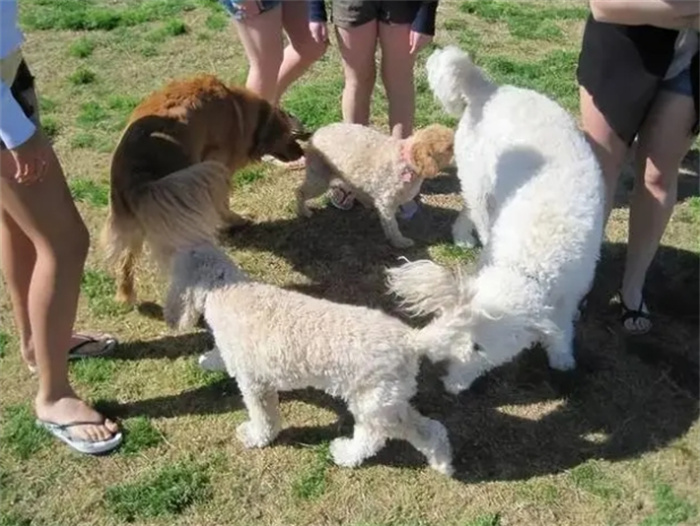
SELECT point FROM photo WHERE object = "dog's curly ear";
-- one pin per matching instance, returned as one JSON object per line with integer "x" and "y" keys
{"x": 432, "y": 149}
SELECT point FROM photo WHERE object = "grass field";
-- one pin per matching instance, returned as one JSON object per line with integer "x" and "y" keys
{"x": 615, "y": 443}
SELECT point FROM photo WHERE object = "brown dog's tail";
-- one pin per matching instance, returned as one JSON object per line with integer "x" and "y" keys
{"x": 176, "y": 211}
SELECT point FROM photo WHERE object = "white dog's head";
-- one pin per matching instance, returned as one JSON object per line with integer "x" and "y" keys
{"x": 197, "y": 271}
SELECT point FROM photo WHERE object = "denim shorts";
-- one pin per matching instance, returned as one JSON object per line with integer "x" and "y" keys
{"x": 22, "y": 90}
{"x": 681, "y": 83}
{"x": 234, "y": 8}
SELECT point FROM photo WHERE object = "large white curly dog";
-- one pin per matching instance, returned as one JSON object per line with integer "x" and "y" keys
{"x": 272, "y": 339}
{"x": 534, "y": 192}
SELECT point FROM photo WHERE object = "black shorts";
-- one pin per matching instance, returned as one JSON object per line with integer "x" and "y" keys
{"x": 353, "y": 13}
{"x": 22, "y": 86}
{"x": 623, "y": 69}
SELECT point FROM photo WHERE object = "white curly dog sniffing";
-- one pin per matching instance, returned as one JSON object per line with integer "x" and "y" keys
{"x": 534, "y": 192}
{"x": 381, "y": 171}
{"x": 272, "y": 339}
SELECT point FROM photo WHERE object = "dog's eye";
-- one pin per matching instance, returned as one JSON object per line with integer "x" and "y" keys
{"x": 476, "y": 347}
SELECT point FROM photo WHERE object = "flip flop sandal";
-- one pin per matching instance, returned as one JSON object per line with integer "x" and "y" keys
{"x": 86, "y": 349}
{"x": 341, "y": 199}
{"x": 291, "y": 165}
{"x": 62, "y": 432}
{"x": 634, "y": 315}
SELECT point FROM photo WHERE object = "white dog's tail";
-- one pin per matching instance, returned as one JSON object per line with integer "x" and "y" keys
{"x": 426, "y": 288}
{"x": 456, "y": 81}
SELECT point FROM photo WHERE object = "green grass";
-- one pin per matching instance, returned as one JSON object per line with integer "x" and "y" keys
{"x": 249, "y": 175}
{"x": 140, "y": 435}
{"x": 50, "y": 126}
{"x": 312, "y": 482}
{"x": 4, "y": 342}
{"x": 526, "y": 20}
{"x": 670, "y": 508}
{"x": 316, "y": 102}
{"x": 170, "y": 28}
{"x": 99, "y": 288}
{"x": 82, "y": 48}
{"x": 489, "y": 519}
{"x": 47, "y": 104}
{"x": 91, "y": 15}
{"x": 87, "y": 190}
{"x": 83, "y": 140}
{"x": 553, "y": 75}
{"x": 91, "y": 113}
{"x": 94, "y": 372}
{"x": 13, "y": 519}
{"x": 19, "y": 432}
{"x": 82, "y": 76}
{"x": 592, "y": 478}
{"x": 167, "y": 492}
{"x": 217, "y": 22}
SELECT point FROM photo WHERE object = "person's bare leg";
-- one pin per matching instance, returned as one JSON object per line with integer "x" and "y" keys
{"x": 17, "y": 256}
{"x": 397, "y": 75}
{"x": 46, "y": 214}
{"x": 608, "y": 147}
{"x": 357, "y": 47}
{"x": 261, "y": 36}
{"x": 664, "y": 139}
{"x": 302, "y": 50}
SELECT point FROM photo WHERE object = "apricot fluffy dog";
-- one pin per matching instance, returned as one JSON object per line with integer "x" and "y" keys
{"x": 171, "y": 170}
{"x": 381, "y": 170}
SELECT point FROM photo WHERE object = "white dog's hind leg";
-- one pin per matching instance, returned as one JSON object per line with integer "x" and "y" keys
{"x": 430, "y": 438}
{"x": 558, "y": 342}
{"x": 462, "y": 230}
{"x": 264, "y": 421}
{"x": 366, "y": 441}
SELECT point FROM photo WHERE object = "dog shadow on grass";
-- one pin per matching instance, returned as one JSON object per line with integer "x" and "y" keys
{"x": 344, "y": 254}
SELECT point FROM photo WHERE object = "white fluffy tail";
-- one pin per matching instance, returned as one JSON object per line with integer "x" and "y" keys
{"x": 426, "y": 288}
{"x": 456, "y": 81}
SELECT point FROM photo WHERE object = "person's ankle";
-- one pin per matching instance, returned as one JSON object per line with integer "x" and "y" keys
{"x": 49, "y": 397}
{"x": 631, "y": 296}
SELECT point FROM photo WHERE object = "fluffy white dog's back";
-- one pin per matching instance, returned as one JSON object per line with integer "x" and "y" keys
{"x": 534, "y": 193}
{"x": 272, "y": 339}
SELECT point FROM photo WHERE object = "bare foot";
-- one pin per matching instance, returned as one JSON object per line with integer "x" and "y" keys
{"x": 69, "y": 409}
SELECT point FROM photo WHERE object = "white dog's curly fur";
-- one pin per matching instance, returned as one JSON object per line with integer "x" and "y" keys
{"x": 534, "y": 192}
{"x": 272, "y": 339}
{"x": 382, "y": 171}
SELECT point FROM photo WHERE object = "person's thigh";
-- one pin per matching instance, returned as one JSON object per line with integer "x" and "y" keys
{"x": 44, "y": 210}
{"x": 261, "y": 32}
{"x": 295, "y": 20}
{"x": 396, "y": 50}
{"x": 665, "y": 136}
{"x": 357, "y": 47}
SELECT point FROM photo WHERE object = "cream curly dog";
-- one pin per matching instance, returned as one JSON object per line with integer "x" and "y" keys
{"x": 534, "y": 193}
{"x": 381, "y": 170}
{"x": 272, "y": 339}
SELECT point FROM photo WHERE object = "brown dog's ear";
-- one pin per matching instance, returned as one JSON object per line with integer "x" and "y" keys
{"x": 422, "y": 156}
{"x": 273, "y": 135}
{"x": 432, "y": 149}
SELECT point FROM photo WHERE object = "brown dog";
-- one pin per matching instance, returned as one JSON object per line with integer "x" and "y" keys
{"x": 171, "y": 170}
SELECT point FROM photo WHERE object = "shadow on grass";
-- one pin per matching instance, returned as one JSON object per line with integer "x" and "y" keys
{"x": 627, "y": 397}
{"x": 344, "y": 254}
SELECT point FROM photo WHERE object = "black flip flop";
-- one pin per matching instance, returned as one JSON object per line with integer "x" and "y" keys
{"x": 634, "y": 315}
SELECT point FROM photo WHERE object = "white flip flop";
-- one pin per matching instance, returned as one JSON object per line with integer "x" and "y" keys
{"x": 62, "y": 432}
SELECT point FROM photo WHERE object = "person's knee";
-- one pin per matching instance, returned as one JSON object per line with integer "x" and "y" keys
{"x": 71, "y": 248}
{"x": 660, "y": 180}
{"x": 360, "y": 80}
{"x": 310, "y": 51}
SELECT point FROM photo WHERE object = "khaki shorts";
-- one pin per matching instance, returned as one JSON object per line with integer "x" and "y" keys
{"x": 353, "y": 13}
{"x": 15, "y": 73}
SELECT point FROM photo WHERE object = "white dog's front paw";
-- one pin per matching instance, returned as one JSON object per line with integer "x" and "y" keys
{"x": 212, "y": 360}
{"x": 455, "y": 384}
{"x": 561, "y": 361}
{"x": 441, "y": 459}
{"x": 252, "y": 437}
{"x": 344, "y": 453}
{"x": 465, "y": 241}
